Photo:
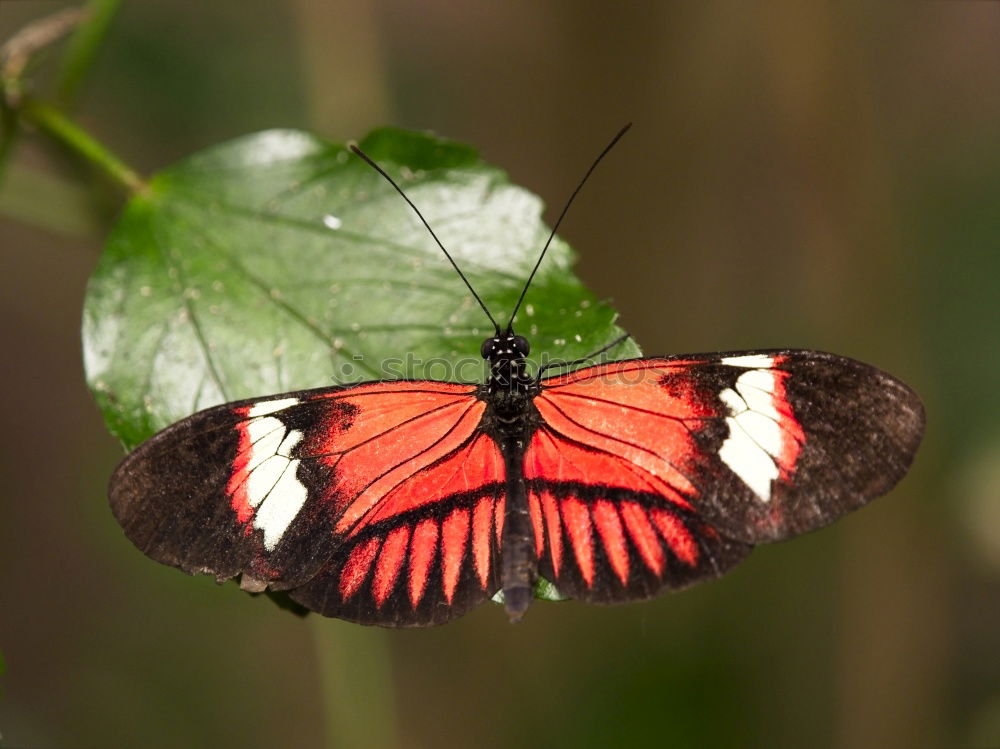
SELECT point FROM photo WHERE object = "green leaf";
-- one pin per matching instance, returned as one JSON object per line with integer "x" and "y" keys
{"x": 280, "y": 261}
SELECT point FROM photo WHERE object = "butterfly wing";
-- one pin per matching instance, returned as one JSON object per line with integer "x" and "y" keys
{"x": 376, "y": 503}
{"x": 655, "y": 473}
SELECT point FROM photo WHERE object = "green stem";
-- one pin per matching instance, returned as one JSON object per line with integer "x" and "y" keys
{"x": 8, "y": 136}
{"x": 83, "y": 46}
{"x": 355, "y": 671}
{"x": 56, "y": 125}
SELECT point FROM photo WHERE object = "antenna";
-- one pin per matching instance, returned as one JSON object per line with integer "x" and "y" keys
{"x": 559, "y": 221}
{"x": 451, "y": 260}
{"x": 603, "y": 349}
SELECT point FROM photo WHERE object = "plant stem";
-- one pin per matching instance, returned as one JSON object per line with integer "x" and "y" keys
{"x": 355, "y": 672}
{"x": 56, "y": 125}
{"x": 82, "y": 48}
{"x": 15, "y": 54}
{"x": 8, "y": 136}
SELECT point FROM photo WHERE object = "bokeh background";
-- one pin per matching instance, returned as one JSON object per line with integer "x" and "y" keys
{"x": 822, "y": 174}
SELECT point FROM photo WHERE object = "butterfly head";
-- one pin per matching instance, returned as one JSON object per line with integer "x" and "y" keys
{"x": 507, "y": 346}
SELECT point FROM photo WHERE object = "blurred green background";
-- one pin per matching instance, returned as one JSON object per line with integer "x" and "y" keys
{"x": 823, "y": 175}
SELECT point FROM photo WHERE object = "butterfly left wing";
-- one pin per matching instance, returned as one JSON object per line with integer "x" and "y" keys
{"x": 375, "y": 503}
{"x": 655, "y": 473}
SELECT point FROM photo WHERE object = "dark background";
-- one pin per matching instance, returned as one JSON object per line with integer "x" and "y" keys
{"x": 822, "y": 174}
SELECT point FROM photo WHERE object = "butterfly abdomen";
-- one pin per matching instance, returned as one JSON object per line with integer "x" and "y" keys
{"x": 520, "y": 565}
{"x": 510, "y": 421}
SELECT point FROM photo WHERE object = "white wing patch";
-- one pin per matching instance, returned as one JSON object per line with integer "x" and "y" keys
{"x": 273, "y": 488}
{"x": 755, "y": 441}
{"x": 269, "y": 407}
{"x": 750, "y": 361}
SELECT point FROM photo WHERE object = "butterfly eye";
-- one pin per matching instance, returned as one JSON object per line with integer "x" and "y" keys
{"x": 487, "y": 348}
{"x": 521, "y": 345}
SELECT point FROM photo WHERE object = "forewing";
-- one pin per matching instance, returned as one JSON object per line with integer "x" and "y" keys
{"x": 762, "y": 445}
{"x": 365, "y": 502}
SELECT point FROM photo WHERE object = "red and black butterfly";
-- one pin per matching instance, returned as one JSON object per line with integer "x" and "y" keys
{"x": 407, "y": 503}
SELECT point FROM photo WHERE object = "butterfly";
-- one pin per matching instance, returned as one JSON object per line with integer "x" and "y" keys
{"x": 409, "y": 502}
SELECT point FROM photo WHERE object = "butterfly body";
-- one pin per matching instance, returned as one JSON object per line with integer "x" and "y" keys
{"x": 510, "y": 420}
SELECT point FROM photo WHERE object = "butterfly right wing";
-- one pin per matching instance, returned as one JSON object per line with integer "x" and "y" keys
{"x": 376, "y": 503}
{"x": 653, "y": 473}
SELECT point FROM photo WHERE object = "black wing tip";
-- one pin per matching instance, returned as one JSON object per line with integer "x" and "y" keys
{"x": 865, "y": 426}
{"x": 862, "y": 429}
